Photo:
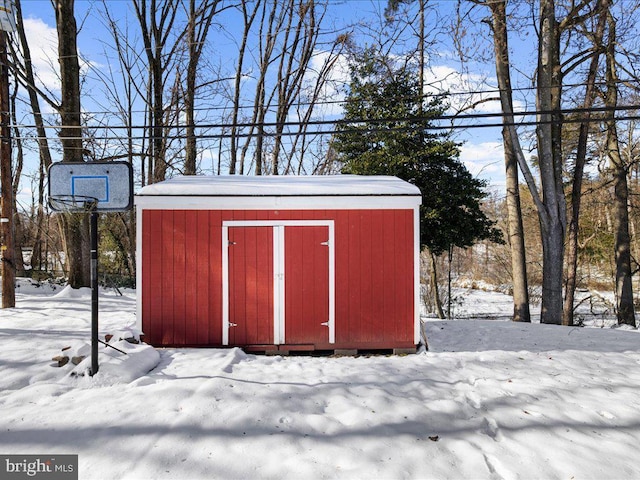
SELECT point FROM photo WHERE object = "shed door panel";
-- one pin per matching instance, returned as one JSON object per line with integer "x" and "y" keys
{"x": 250, "y": 285}
{"x": 306, "y": 277}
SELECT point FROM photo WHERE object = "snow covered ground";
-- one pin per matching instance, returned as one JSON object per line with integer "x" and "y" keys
{"x": 490, "y": 400}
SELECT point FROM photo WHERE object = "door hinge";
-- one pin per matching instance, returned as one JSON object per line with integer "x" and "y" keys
{"x": 232, "y": 324}
{"x": 325, "y": 324}
{"x": 231, "y": 243}
{"x": 326, "y": 244}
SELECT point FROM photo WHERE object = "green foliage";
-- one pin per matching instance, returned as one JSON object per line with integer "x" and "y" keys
{"x": 387, "y": 130}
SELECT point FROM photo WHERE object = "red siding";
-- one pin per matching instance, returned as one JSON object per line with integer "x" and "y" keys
{"x": 182, "y": 278}
{"x": 170, "y": 323}
{"x": 151, "y": 272}
{"x": 374, "y": 275}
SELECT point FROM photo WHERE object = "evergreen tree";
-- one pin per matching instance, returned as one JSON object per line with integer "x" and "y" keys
{"x": 387, "y": 130}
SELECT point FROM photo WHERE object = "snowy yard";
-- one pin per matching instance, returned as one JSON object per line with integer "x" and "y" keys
{"x": 490, "y": 400}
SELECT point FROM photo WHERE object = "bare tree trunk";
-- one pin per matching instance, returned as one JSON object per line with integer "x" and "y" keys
{"x": 434, "y": 287}
{"x": 129, "y": 223}
{"x": 267, "y": 43}
{"x": 299, "y": 146}
{"x": 449, "y": 292}
{"x": 157, "y": 112}
{"x": 71, "y": 131}
{"x": 190, "y": 152}
{"x": 27, "y": 78}
{"x": 248, "y": 22}
{"x": 521, "y": 312}
{"x": 123, "y": 92}
{"x": 294, "y": 63}
{"x": 8, "y": 267}
{"x": 76, "y": 226}
{"x": 155, "y": 31}
{"x": 553, "y": 216}
{"x": 581, "y": 157}
{"x": 422, "y": 44}
{"x": 624, "y": 289}
{"x": 17, "y": 174}
{"x": 200, "y": 19}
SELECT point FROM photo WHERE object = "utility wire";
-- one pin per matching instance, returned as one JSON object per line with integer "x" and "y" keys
{"x": 569, "y": 115}
{"x": 469, "y": 93}
{"x": 263, "y": 134}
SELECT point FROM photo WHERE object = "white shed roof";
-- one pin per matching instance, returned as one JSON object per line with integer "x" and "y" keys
{"x": 286, "y": 185}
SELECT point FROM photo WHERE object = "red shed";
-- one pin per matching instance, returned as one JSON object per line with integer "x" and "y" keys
{"x": 279, "y": 262}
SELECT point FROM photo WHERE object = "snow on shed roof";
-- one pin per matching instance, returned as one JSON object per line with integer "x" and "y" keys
{"x": 285, "y": 185}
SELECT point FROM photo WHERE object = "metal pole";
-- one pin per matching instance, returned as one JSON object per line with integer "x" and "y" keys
{"x": 94, "y": 292}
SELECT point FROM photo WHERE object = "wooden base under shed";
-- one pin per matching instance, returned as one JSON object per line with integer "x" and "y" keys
{"x": 326, "y": 350}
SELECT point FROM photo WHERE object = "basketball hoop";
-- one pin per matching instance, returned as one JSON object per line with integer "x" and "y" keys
{"x": 94, "y": 188}
{"x": 73, "y": 203}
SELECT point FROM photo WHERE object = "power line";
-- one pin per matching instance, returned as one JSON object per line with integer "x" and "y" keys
{"x": 257, "y": 134}
{"x": 444, "y": 95}
{"x": 569, "y": 115}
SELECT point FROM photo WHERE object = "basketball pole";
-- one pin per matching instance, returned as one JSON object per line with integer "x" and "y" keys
{"x": 94, "y": 291}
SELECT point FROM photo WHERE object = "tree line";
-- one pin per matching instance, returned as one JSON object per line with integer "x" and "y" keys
{"x": 270, "y": 87}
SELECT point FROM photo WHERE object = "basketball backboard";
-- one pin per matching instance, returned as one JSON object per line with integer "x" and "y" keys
{"x": 109, "y": 183}
{"x": 7, "y": 18}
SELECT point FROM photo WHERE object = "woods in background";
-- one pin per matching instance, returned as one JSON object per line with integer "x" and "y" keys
{"x": 259, "y": 88}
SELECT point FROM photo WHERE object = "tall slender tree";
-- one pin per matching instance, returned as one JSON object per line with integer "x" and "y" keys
{"x": 248, "y": 16}
{"x": 591, "y": 92}
{"x": 23, "y": 67}
{"x": 512, "y": 149}
{"x": 199, "y": 21}
{"x": 76, "y": 226}
{"x": 552, "y": 210}
{"x": 624, "y": 288}
{"x": 156, "y": 20}
{"x": 300, "y": 37}
{"x": 8, "y": 267}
